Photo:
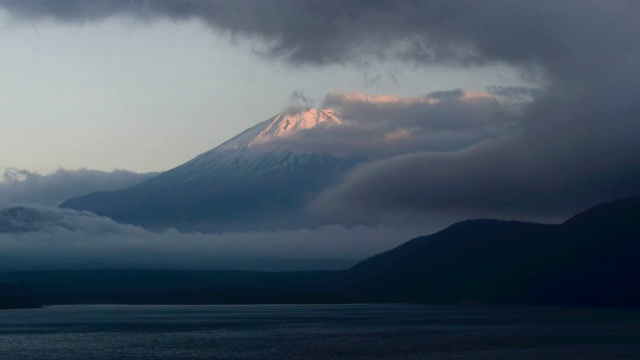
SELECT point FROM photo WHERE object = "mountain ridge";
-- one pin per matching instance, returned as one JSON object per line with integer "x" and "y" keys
{"x": 586, "y": 263}
{"x": 245, "y": 183}
{"x": 592, "y": 258}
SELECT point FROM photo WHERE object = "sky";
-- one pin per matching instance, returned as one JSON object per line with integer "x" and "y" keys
{"x": 521, "y": 110}
{"x": 147, "y": 94}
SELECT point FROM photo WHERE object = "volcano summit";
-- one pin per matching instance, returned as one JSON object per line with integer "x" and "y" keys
{"x": 255, "y": 180}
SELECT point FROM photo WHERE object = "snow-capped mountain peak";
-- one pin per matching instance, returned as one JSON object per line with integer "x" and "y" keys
{"x": 282, "y": 125}
{"x": 242, "y": 157}
{"x": 286, "y": 124}
{"x": 238, "y": 180}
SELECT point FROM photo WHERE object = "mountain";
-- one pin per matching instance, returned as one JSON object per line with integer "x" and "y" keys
{"x": 591, "y": 259}
{"x": 253, "y": 179}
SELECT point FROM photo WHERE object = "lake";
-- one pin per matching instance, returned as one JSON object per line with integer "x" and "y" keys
{"x": 318, "y": 332}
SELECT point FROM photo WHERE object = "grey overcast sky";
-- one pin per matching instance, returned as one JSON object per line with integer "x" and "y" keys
{"x": 118, "y": 92}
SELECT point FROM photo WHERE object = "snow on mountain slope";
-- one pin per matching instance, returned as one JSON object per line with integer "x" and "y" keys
{"x": 281, "y": 125}
{"x": 244, "y": 155}
{"x": 247, "y": 178}
{"x": 286, "y": 124}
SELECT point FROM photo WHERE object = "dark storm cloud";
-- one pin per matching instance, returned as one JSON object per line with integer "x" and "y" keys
{"x": 19, "y": 186}
{"x": 578, "y": 140}
{"x": 552, "y": 35}
{"x": 494, "y": 179}
{"x": 290, "y": 29}
{"x": 80, "y": 11}
{"x": 43, "y": 237}
{"x": 513, "y": 92}
{"x": 464, "y": 31}
{"x": 575, "y": 149}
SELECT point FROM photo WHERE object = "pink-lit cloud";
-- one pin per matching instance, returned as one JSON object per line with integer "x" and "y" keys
{"x": 375, "y": 126}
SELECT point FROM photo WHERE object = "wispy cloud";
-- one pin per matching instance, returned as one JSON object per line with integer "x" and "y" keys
{"x": 298, "y": 98}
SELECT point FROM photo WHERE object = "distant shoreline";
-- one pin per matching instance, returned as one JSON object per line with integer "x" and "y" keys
{"x": 11, "y": 303}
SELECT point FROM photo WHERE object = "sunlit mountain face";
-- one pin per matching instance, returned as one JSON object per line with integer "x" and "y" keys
{"x": 256, "y": 180}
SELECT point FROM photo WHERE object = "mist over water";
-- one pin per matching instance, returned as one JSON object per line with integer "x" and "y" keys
{"x": 318, "y": 332}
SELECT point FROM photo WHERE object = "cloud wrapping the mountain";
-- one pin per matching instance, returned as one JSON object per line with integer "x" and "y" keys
{"x": 455, "y": 111}
{"x": 24, "y": 187}
{"x": 40, "y": 237}
{"x": 380, "y": 126}
{"x": 578, "y": 137}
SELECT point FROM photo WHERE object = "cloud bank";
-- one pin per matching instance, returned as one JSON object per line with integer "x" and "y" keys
{"x": 41, "y": 238}
{"x": 24, "y": 187}
{"x": 319, "y": 32}
{"x": 381, "y": 126}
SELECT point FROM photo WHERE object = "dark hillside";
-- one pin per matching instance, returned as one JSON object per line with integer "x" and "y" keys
{"x": 592, "y": 259}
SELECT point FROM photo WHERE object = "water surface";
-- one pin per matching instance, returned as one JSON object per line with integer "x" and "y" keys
{"x": 318, "y": 332}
